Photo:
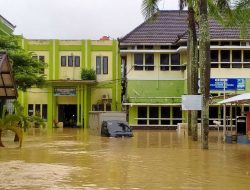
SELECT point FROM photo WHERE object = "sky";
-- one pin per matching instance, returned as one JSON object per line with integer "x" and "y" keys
{"x": 75, "y": 19}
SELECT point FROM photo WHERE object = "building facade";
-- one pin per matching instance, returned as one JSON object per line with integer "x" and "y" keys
{"x": 67, "y": 97}
{"x": 154, "y": 61}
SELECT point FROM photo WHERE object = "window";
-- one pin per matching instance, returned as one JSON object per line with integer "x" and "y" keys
{"x": 42, "y": 58}
{"x": 37, "y": 110}
{"x": 70, "y": 61}
{"x": 98, "y": 65}
{"x": 214, "y": 59}
{"x": 44, "y": 111}
{"x": 236, "y": 58}
{"x": 153, "y": 115}
{"x": 142, "y": 113}
{"x": 149, "y": 62}
{"x": 213, "y": 114}
{"x": 77, "y": 61}
{"x": 175, "y": 60}
{"x": 149, "y": 47}
{"x": 164, "y": 62}
{"x": 30, "y": 109}
{"x": 63, "y": 61}
{"x": 246, "y": 59}
{"x": 35, "y": 57}
{"x": 225, "y": 57}
{"x": 105, "y": 65}
{"x": 177, "y": 115}
{"x": 165, "y": 115}
{"x": 138, "y": 61}
{"x": 101, "y": 65}
{"x": 225, "y": 43}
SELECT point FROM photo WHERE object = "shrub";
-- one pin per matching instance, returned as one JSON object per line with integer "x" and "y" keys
{"x": 88, "y": 74}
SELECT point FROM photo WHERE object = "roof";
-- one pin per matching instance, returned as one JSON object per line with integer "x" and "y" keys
{"x": 7, "y": 83}
{"x": 240, "y": 99}
{"x": 170, "y": 26}
{"x": 8, "y": 22}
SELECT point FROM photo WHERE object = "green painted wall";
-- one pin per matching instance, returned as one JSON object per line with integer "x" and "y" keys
{"x": 171, "y": 88}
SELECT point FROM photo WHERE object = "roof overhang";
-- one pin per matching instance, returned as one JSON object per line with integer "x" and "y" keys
{"x": 71, "y": 82}
{"x": 239, "y": 99}
{"x": 7, "y": 83}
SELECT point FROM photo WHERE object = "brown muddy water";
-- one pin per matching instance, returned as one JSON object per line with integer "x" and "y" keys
{"x": 74, "y": 159}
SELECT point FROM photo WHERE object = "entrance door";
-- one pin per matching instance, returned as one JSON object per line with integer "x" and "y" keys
{"x": 67, "y": 113}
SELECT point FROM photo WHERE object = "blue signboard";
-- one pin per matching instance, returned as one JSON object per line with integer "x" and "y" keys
{"x": 230, "y": 84}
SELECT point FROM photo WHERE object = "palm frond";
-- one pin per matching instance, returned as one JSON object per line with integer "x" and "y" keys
{"x": 149, "y": 8}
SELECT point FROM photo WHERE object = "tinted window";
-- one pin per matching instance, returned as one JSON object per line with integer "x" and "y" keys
{"x": 70, "y": 61}
{"x": 164, "y": 61}
{"x": 175, "y": 60}
{"x": 214, "y": 58}
{"x": 98, "y": 65}
{"x": 236, "y": 58}
{"x": 142, "y": 113}
{"x": 149, "y": 60}
{"x": 105, "y": 65}
{"x": 225, "y": 57}
{"x": 77, "y": 61}
{"x": 138, "y": 60}
{"x": 63, "y": 61}
{"x": 246, "y": 59}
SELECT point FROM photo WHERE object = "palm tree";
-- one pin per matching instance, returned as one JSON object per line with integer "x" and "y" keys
{"x": 149, "y": 8}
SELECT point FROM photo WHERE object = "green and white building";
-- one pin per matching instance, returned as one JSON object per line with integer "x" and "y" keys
{"x": 154, "y": 60}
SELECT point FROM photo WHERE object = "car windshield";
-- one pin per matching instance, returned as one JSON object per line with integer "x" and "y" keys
{"x": 118, "y": 126}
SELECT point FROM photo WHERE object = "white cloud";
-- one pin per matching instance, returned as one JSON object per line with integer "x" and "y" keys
{"x": 75, "y": 19}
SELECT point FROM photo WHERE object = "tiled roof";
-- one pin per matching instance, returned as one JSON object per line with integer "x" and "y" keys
{"x": 170, "y": 26}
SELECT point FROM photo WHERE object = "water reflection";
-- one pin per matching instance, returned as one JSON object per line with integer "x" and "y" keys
{"x": 74, "y": 159}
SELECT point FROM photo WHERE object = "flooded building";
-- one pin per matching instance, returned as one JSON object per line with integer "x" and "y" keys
{"x": 69, "y": 93}
{"x": 154, "y": 62}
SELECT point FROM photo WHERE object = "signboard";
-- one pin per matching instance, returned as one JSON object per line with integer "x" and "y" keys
{"x": 191, "y": 102}
{"x": 64, "y": 92}
{"x": 230, "y": 84}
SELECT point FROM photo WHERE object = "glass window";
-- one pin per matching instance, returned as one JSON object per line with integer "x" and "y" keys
{"x": 213, "y": 114}
{"x": 214, "y": 58}
{"x": 149, "y": 60}
{"x": 175, "y": 60}
{"x": 42, "y": 58}
{"x": 149, "y": 47}
{"x": 246, "y": 59}
{"x": 63, "y": 61}
{"x": 44, "y": 111}
{"x": 236, "y": 58}
{"x": 153, "y": 115}
{"x": 235, "y": 43}
{"x": 225, "y": 57}
{"x": 164, "y": 62}
{"x": 70, "y": 61}
{"x": 138, "y": 61}
{"x": 30, "y": 109}
{"x": 225, "y": 43}
{"x": 38, "y": 110}
{"x": 105, "y": 65}
{"x": 35, "y": 57}
{"x": 77, "y": 61}
{"x": 165, "y": 115}
{"x": 142, "y": 113}
{"x": 98, "y": 65}
{"x": 177, "y": 115}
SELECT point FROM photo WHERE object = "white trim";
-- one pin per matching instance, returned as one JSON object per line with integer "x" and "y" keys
{"x": 153, "y": 79}
{"x": 181, "y": 49}
{"x": 54, "y": 59}
{"x": 151, "y": 104}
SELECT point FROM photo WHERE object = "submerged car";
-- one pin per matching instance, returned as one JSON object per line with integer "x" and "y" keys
{"x": 116, "y": 128}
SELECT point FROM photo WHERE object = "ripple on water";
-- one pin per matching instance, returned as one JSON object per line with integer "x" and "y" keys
{"x": 19, "y": 174}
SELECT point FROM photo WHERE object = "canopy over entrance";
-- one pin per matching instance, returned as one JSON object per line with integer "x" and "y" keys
{"x": 239, "y": 99}
{"x": 7, "y": 83}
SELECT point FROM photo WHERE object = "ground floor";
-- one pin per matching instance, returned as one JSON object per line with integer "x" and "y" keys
{"x": 168, "y": 116}
{"x": 69, "y": 103}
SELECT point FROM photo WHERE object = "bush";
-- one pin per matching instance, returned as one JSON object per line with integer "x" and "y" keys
{"x": 88, "y": 74}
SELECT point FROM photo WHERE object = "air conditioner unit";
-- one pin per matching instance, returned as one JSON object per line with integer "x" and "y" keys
{"x": 105, "y": 97}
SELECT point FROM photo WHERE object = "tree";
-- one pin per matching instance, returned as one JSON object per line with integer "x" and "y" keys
{"x": 149, "y": 8}
{"x": 26, "y": 70}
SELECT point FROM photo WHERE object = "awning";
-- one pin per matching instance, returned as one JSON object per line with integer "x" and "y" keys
{"x": 7, "y": 82}
{"x": 242, "y": 98}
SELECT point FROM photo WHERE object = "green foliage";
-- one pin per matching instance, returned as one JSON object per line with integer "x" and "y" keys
{"x": 88, "y": 74}
{"x": 27, "y": 71}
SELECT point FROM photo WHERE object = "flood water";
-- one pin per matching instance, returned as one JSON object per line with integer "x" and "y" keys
{"x": 74, "y": 159}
